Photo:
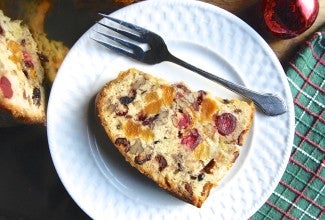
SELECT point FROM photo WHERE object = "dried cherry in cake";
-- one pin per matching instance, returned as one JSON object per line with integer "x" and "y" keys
{"x": 28, "y": 60}
{"x": 184, "y": 121}
{"x": 191, "y": 140}
{"x": 225, "y": 123}
{"x": 5, "y": 87}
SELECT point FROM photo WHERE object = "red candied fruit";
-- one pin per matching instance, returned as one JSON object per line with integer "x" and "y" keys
{"x": 191, "y": 140}
{"x": 225, "y": 123}
{"x": 5, "y": 87}
{"x": 27, "y": 59}
{"x": 184, "y": 121}
{"x": 26, "y": 56}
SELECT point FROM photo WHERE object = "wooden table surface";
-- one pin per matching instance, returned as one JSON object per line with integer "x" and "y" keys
{"x": 249, "y": 11}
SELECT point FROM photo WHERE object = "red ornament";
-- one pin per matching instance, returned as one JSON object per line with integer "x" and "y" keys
{"x": 289, "y": 18}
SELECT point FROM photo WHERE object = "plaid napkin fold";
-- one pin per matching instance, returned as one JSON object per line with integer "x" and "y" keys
{"x": 301, "y": 191}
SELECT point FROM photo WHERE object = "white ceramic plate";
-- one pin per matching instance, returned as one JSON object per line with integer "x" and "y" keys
{"x": 96, "y": 176}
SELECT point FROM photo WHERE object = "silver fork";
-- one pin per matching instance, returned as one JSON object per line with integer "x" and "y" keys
{"x": 127, "y": 43}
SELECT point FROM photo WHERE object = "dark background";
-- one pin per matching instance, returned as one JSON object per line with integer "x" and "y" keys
{"x": 29, "y": 185}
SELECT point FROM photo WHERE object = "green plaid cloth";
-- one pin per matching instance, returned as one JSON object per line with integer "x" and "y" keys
{"x": 301, "y": 191}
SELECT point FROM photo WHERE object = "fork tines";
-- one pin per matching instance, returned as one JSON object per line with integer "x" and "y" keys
{"x": 138, "y": 32}
{"x": 123, "y": 37}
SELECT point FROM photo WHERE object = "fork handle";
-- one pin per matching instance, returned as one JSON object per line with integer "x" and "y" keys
{"x": 269, "y": 103}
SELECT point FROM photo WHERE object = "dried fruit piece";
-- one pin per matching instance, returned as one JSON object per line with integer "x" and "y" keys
{"x": 192, "y": 139}
{"x": 142, "y": 116}
{"x": 23, "y": 42}
{"x": 142, "y": 158}
{"x": 5, "y": 86}
{"x": 28, "y": 64}
{"x": 123, "y": 142}
{"x": 36, "y": 96}
{"x": 151, "y": 97}
{"x": 198, "y": 100}
{"x": 162, "y": 162}
{"x": 208, "y": 108}
{"x": 26, "y": 73}
{"x": 241, "y": 137}
{"x": 225, "y": 123}
{"x": 121, "y": 110}
{"x": 183, "y": 87}
{"x": 134, "y": 129}
{"x": 27, "y": 60}
{"x": 167, "y": 95}
{"x": 150, "y": 120}
{"x": 184, "y": 121}
{"x": 125, "y": 100}
{"x": 14, "y": 47}
{"x": 208, "y": 168}
{"x": 153, "y": 107}
{"x": 200, "y": 177}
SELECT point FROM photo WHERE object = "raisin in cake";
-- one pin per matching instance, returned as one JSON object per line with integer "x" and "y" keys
{"x": 22, "y": 96}
{"x": 185, "y": 141}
